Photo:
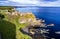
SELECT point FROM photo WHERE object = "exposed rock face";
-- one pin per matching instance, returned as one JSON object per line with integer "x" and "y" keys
{"x": 32, "y": 20}
{"x": 26, "y": 17}
{"x": 34, "y": 33}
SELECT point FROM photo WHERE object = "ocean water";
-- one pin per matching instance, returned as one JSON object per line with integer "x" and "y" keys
{"x": 49, "y": 14}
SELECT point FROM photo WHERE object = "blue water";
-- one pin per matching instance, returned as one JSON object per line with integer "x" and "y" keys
{"x": 49, "y": 14}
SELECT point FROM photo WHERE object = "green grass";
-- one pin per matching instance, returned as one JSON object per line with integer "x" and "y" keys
{"x": 10, "y": 28}
{"x": 7, "y": 29}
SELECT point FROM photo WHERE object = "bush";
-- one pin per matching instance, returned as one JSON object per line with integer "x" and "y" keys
{"x": 2, "y": 16}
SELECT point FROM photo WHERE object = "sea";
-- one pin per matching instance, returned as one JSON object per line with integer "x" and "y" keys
{"x": 49, "y": 14}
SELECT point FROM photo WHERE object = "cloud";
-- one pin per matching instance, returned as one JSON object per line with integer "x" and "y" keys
{"x": 50, "y": 0}
{"x": 8, "y": 3}
{"x": 26, "y": 1}
{"x": 48, "y": 4}
{"x": 31, "y": 3}
{"x": 3, "y": 0}
{"x": 3, "y": 3}
{"x": 38, "y": 3}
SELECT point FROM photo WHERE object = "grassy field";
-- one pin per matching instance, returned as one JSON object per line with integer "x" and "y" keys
{"x": 9, "y": 27}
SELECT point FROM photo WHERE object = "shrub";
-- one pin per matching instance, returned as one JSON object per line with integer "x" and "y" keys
{"x": 2, "y": 16}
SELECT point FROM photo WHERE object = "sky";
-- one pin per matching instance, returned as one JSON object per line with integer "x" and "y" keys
{"x": 3, "y": 0}
{"x": 46, "y": 3}
{"x": 53, "y": 3}
{"x": 50, "y": 0}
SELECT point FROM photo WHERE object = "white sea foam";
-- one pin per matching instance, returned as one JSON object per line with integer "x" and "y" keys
{"x": 57, "y": 32}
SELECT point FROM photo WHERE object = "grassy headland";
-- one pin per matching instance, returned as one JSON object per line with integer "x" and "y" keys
{"x": 11, "y": 23}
